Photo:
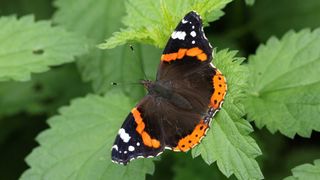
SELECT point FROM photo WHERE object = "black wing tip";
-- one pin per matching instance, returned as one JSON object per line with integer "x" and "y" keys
{"x": 194, "y": 14}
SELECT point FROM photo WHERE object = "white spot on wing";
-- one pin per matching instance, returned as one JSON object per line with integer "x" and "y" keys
{"x": 131, "y": 148}
{"x": 125, "y": 152}
{"x": 193, "y": 34}
{"x": 193, "y": 42}
{"x": 178, "y": 35}
{"x": 192, "y": 27}
{"x": 115, "y": 147}
{"x": 184, "y": 21}
{"x": 138, "y": 144}
{"x": 123, "y": 135}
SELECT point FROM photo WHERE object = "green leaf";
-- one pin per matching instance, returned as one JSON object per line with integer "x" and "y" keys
{"x": 284, "y": 84}
{"x": 153, "y": 21}
{"x": 102, "y": 17}
{"x": 43, "y": 94}
{"x": 78, "y": 143}
{"x": 228, "y": 141}
{"x": 250, "y": 2}
{"x": 306, "y": 171}
{"x": 41, "y": 9}
{"x": 32, "y": 47}
{"x": 285, "y": 15}
{"x": 185, "y": 167}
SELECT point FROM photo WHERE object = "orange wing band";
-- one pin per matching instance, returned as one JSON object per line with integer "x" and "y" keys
{"x": 192, "y": 52}
{"x": 220, "y": 89}
{"x": 147, "y": 140}
{"x": 192, "y": 139}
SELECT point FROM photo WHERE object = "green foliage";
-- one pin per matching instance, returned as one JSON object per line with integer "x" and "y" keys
{"x": 306, "y": 171}
{"x": 284, "y": 87}
{"x": 228, "y": 142}
{"x": 285, "y": 15}
{"x": 250, "y": 2}
{"x": 76, "y": 145}
{"x": 277, "y": 88}
{"x": 186, "y": 167}
{"x": 44, "y": 94}
{"x": 159, "y": 18}
{"x": 41, "y": 9}
{"x": 32, "y": 47}
{"x": 99, "y": 66}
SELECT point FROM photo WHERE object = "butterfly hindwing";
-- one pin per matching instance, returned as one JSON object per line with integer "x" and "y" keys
{"x": 130, "y": 142}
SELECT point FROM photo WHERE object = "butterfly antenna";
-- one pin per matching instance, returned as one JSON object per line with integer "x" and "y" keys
{"x": 141, "y": 61}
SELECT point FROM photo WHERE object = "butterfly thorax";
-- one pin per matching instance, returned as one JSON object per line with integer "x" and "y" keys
{"x": 165, "y": 90}
{"x": 157, "y": 88}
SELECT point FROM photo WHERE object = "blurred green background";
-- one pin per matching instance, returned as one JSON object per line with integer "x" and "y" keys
{"x": 25, "y": 106}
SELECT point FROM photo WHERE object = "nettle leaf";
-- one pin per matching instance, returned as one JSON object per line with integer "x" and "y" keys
{"x": 152, "y": 21}
{"x": 44, "y": 93}
{"x": 306, "y": 171}
{"x": 32, "y": 47}
{"x": 41, "y": 9}
{"x": 284, "y": 84}
{"x": 185, "y": 167}
{"x": 101, "y": 18}
{"x": 78, "y": 143}
{"x": 228, "y": 141}
{"x": 285, "y": 15}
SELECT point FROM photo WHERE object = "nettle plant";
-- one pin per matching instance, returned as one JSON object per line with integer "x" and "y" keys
{"x": 277, "y": 88}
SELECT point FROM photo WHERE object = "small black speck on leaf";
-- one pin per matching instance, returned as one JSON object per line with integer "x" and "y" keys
{"x": 38, "y": 51}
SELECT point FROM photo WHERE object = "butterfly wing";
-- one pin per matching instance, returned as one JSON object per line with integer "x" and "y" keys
{"x": 133, "y": 139}
{"x": 187, "y": 58}
{"x": 186, "y": 68}
{"x": 187, "y": 40}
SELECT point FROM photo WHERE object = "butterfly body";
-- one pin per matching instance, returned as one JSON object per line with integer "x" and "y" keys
{"x": 176, "y": 112}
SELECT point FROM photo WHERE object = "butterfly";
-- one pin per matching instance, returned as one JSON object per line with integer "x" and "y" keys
{"x": 176, "y": 112}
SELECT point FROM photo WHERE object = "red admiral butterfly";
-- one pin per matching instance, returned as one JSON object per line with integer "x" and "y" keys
{"x": 176, "y": 112}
